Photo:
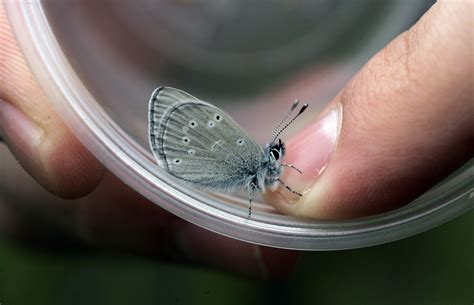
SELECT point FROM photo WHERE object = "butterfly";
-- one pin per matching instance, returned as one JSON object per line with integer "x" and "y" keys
{"x": 200, "y": 144}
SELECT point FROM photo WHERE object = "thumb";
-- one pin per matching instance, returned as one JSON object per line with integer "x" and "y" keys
{"x": 400, "y": 125}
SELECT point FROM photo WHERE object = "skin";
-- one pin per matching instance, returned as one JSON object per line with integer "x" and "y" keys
{"x": 406, "y": 123}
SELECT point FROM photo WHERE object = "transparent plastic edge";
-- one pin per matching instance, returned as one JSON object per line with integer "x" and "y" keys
{"x": 30, "y": 26}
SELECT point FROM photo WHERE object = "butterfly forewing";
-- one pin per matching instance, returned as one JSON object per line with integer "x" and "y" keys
{"x": 199, "y": 143}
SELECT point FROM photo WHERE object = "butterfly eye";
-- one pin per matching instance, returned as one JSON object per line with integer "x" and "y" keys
{"x": 240, "y": 142}
{"x": 217, "y": 117}
{"x": 192, "y": 124}
{"x": 275, "y": 154}
{"x": 185, "y": 140}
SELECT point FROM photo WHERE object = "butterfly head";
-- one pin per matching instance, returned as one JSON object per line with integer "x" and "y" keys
{"x": 276, "y": 151}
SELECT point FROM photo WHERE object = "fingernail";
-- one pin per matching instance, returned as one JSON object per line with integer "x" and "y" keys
{"x": 310, "y": 151}
{"x": 22, "y": 135}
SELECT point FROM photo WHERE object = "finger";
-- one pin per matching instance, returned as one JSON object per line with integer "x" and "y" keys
{"x": 400, "y": 125}
{"x": 116, "y": 216}
{"x": 33, "y": 131}
{"x": 112, "y": 215}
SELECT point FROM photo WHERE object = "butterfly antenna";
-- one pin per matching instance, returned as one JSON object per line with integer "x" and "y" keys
{"x": 303, "y": 108}
{"x": 295, "y": 104}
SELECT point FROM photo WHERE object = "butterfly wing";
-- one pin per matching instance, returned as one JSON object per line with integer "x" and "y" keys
{"x": 199, "y": 143}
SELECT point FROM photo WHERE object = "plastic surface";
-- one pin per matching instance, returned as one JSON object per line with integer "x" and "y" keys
{"x": 104, "y": 126}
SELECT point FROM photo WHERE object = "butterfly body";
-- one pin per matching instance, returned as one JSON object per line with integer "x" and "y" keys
{"x": 200, "y": 144}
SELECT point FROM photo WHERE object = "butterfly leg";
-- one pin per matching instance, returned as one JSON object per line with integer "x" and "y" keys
{"x": 252, "y": 189}
{"x": 287, "y": 187}
{"x": 293, "y": 167}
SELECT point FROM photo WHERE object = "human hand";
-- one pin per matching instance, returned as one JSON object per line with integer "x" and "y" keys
{"x": 404, "y": 122}
{"x": 104, "y": 212}
{"x": 373, "y": 139}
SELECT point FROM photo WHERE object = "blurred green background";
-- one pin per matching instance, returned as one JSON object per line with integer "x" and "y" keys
{"x": 435, "y": 267}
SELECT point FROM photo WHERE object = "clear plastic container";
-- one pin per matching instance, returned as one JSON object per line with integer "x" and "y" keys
{"x": 99, "y": 61}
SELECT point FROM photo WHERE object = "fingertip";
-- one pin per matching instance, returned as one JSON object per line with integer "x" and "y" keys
{"x": 34, "y": 133}
{"x": 54, "y": 157}
{"x": 310, "y": 151}
{"x": 72, "y": 170}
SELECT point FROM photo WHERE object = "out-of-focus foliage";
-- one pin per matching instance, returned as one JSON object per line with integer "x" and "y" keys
{"x": 432, "y": 268}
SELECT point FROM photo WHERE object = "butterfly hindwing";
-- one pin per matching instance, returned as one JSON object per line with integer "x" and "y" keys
{"x": 199, "y": 143}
